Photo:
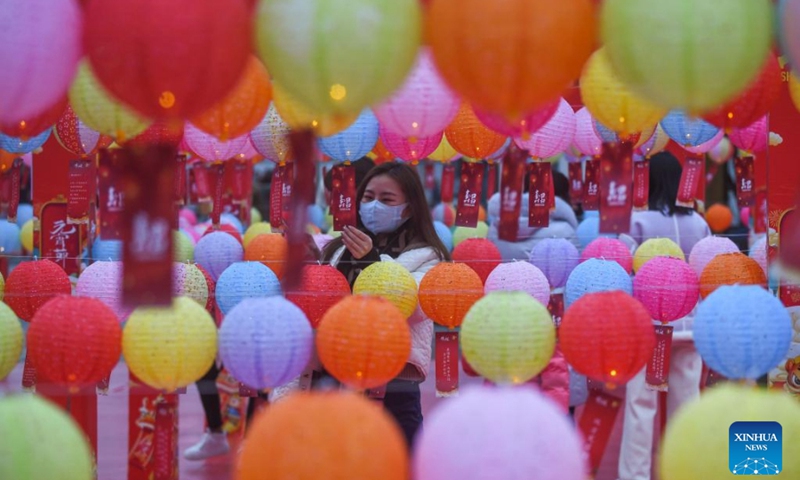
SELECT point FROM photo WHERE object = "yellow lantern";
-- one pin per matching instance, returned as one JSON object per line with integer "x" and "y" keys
{"x": 10, "y": 340}
{"x": 794, "y": 90}
{"x": 182, "y": 247}
{"x": 390, "y": 281}
{"x": 656, "y": 247}
{"x": 299, "y": 116}
{"x": 26, "y": 236}
{"x": 445, "y": 152}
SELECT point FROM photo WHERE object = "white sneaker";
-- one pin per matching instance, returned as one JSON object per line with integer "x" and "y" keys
{"x": 211, "y": 445}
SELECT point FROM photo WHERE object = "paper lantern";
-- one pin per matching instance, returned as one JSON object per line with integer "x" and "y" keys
{"x": 320, "y": 288}
{"x": 519, "y": 277}
{"x": 244, "y": 280}
{"x": 9, "y": 238}
{"x": 758, "y": 252}
{"x": 189, "y": 281}
{"x": 32, "y": 125}
{"x": 24, "y": 213}
{"x": 667, "y": 287}
{"x": 26, "y": 236}
{"x": 508, "y": 337}
{"x": 586, "y": 141}
{"x": 742, "y": 331}
{"x": 62, "y": 453}
{"x": 638, "y": 138}
{"x": 444, "y": 153}
{"x": 669, "y": 51}
{"x": 448, "y": 291}
{"x": 299, "y": 116}
{"x": 22, "y": 146}
{"x": 107, "y": 250}
{"x": 460, "y": 234}
{"x": 271, "y": 250}
{"x": 271, "y": 137}
{"x": 224, "y": 228}
{"x": 254, "y": 230}
{"x": 556, "y": 258}
{"x": 11, "y": 338}
{"x": 135, "y": 66}
{"x": 265, "y": 342}
{"x": 444, "y": 213}
{"x": 32, "y": 284}
{"x": 554, "y": 137}
{"x": 626, "y": 331}
{"x": 469, "y": 137}
{"x": 211, "y": 148}
{"x": 498, "y": 433}
{"x": 471, "y": 49}
{"x": 368, "y": 443}
{"x": 656, "y": 247}
{"x": 74, "y": 341}
{"x": 101, "y": 112}
{"x": 170, "y": 348}
{"x": 356, "y": 57}
{"x": 589, "y": 230}
{"x": 423, "y": 106}
{"x": 719, "y": 217}
{"x": 706, "y": 147}
{"x": 182, "y": 247}
{"x": 364, "y": 342}
{"x": 444, "y": 234}
{"x": 729, "y": 269}
{"x": 391, "y": 281}
{"x": 595, "y": 275}
{"x": 708, "y": 248}
{"x": 687, "y": 131}
{"x": 381, "y": 154}
{"x": 522, "y": 127}
{"x": 353, "y": 142}
{"x": 163, "y": 131}
{"x": 698, "y": 441}
{"x": 611, "y": 102}
{"x": 656, "y": 143}
{"x": 217, "y": 251}
{"x": 103, "y": 281}
{"x": 405, "y": 149}
{"x": 36, "y": 75}
{"x": 753, "y": 138}
{"x": 609, "y": 249}
{"x": 76, "y": 137}
{"x": 479, "y": 254}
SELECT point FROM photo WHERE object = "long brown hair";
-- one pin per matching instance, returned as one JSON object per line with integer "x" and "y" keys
{"x": 419, "y": 224}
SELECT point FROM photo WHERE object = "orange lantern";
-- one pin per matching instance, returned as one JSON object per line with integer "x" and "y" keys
{"x": 514, "y": 56}
{"x": 381, "y": 154}
{"x": 363, "y": 341}
{"x": 719, "y": 217}
{"x": 731, "y": 269}
{"x": 469, "y": 137}
{"x": 243, "y": 108}
{"x": 269, "y": 249}
{"x": 448, "y": 291}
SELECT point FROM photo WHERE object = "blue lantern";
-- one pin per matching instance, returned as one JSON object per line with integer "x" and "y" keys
{"x": 107, "y": 250}
{"x": 245, "y": 280}
{"x": 595, "y": 275}
{"x": 20, "y": 146}
{"x": 742, "y": 331}
{"x": 686, "y": 130}
{"x": 589, "y": 230}
{"x": 24, "y": 213}
{"x": 9, "y": 238}
{"x": 353, "y": 142}
{"x": 444, "y": 233}
{"x": 316, "y": 216}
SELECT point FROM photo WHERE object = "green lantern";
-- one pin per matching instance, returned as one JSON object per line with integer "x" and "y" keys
{"x": 689, "y": 54}
{"x": 10, "y": 340}
{"x": 463, "y": 233}
{"x": 41, "y": 442}
{"x": 338, "y": 56}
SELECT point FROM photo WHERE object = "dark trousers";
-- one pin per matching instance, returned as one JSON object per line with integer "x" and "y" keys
{"x": 209, "y": 397}
{"x": 404, "y": 402}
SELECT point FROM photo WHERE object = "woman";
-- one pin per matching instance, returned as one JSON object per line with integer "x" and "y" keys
{"x": 686, "y": 227}
{"x": 395, "y": 225}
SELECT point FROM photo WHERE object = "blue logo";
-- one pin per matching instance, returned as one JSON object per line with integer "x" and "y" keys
{"x": 755, "y": 448}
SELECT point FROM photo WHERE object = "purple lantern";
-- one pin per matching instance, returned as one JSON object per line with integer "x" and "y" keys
{"x": 706, "y": 147}
{"x": 519, "y": 277}
{"x": 556, "y": 258}
{"x": 212, "y": 149}
{"x": 586, "y": 141}
{"x": 554, "y": 137}
{"x": 103, "y": 281}
{"x": 706, "y": 249}
{"x": 217, "y": 251}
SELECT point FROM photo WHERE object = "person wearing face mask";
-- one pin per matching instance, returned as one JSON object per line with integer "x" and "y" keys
{"x": 394, "y": 225}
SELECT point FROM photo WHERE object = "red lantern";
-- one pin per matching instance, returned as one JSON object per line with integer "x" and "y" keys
{"x": 26, "y": 128}
{"x": 607, "y": 336}
{"x": 76, "y": 137}
{"x": 168, "y": 58}
{"x": 169, "y": 132}
{"x": 480, "y": 254}
{"x": 32, "y": 284}
{"x": 320, "y": 288}
{"x": 211, "y": 303}
{"x": 74, "y": 341}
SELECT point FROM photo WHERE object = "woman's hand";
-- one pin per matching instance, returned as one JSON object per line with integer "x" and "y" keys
{"x": 357, "y": 242}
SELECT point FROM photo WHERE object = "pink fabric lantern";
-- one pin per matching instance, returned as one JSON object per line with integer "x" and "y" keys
{"x": 707, "y": 146}
{"x": 587, "y": 141}
{"x": 40, "y": 45}
{"x": 519, "y": 277}
{"x": 212, "y": 149}
{"x": 656, "y": 143}
{"x": 754, "y": 138}
{"x": 406, "y": 150}
{"x": 758, "y": 252}
{"x": 524, "y": 127}
{"x": 76, "y": 137}
{"x": 103, "y": 281}
{"x": 667, "y": 287}
{"x": 706, "y": 249}
{"x": 423, "y": 106}
{"x": 554, "y": 137}
{"x": 609, "y": 249}
{"x": 271, "y": 137}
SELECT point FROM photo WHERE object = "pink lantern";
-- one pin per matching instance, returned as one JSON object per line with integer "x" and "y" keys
{"x": 40, "y": 45}
{"x": 188, "y": 215}
{"x": 587, "y": 141}
{"x": 706, "y": 249}
{"x": 76, "y": 137}
{"x": 103, "y": 281}
{"x": 753, "y": 138}
{"x": 271, "y": 137}
{"x": 523, "y": 127}
{"x": 554, "y": 137}
{"x": 423, "y": 106}
{"x": 212, "y": 149}
{"x": 27, "y": 159}
{"x": 722, "y": 152}
{"x": 667, "y": 287}
{"x": 519, "y": 277}
{"x": 406, "y": 150}
{"x": 656, "y": 143}
{"x": 707, "y": 146}
{"x": 609, "y": 249}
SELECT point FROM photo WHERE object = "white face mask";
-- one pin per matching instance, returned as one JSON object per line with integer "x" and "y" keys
{"x": 378, "y": 217}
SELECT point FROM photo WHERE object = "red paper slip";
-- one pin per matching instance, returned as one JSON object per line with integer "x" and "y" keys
{"x": 591, "y": 187}
{"x": 448, "y": 182}
{"x": 511, "y": 179}
{"x": 82, "y": 189}
{"x": 690, "y": 179}
{"x": 491, "y": 180}
{"x": 276, "y": 198}
{"x": 343, "y": 196}
{"x": 616, "y": 185}
{"x": 657, "y": 375}
{"x": 287, "y": 188}
{"x": 575, "y": 170}
{"x": 745, "y": 181}
{"x": 469, "y": 194}
{"x": 60, "y": 241}
{"x": 112, "y": 199}
{"x": 446, "y": 363}
{"x": 596, "y": 424}
{"x": 556, "y": 308}
{"x": 539, "y": 194}
{"x": 216, "y": 174}
{"x": 430, "y": 178}
{"x": 10, "y": 188}
{"x": 641, "y": 184}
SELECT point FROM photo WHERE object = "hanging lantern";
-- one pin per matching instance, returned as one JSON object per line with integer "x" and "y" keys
{"x": 381, "y": 154}
{"x": 20, "y": 146}
{"x": 225, "y": 228}
{"x": 719, "y": 217}
{"x": 448, "y": 291}
{"x": 519, "y": 277}
{"x": 706, "y": 147}
{"x": 609, "y": 249}
{"x": 522, "y": 127}
{"x": 471, "y": 138}
{"x": 554, "y": 137}
{"x": 638, "y": 139}
{"x": 74, "y": 341}
{"x": 656, "y": 143}
{"x": 170, "y": 348}
{"x": 189, "y": 281}
{"x": 731, "y": 269}
{"x": 667, "y": 287}
{"x": 445, "y": 213}
{"x": 722, "y": 152}
{"x": 9, "y": 240}
{"x": 596, "y": 275}
{"x": 423, "y": 106}
{"x": 217, "y": 251}
{"x": 753, "y": 138}
{"x": 357, "y": 51}
{"x": 586, "y": 140}
{"x": 444, "y": 234}
{"x": 271, "y": 250}
{"x": 758, "y": 252}
{"x": 254, "y": 230}
{"x": 106, "y": 250}
{"x": 508, "y": 337}
{"x": 76, "y": 137}
{"x": 353, "y": 142}
{"x": 405, "y": 149}
{"x": 32, "y": 284}
{"x": 300, "y": 117}
{"x": 211, "y": 148}
{"x": 182, "y": 247}
{"x": 625, "y": 327}
{"x": 26, "y": 236}
{"x": 707, "y": 249}
{"x": 320, "y": 288}
{"x": 656, "y": 247}
{"x": 271, "y": 137}
{"x": 164, "y": 131}
{"x": 444, "y": 153}
{"x": 33, "y": 125}
{"x": 391, "y": 281}
{"x": 687, "y": 131}
{"x": 670, "y": 51}
{"x": 102, "y": 280}
{"x": 479, "y": 254}
{"x": 11, "y": 338}
{"x": 460, "y": 234}
{"x": 364, "y": 342}
{"x": 556, "y": 258}
{"x": 244, "y": 280}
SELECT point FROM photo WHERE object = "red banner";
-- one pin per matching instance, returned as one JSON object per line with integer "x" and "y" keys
{"x": 556, "y": 308}
{"x": 147, "y": 235}
{"x": 60, "y": 241}
{"x": 81, "y": 405}
{"x": 82, "y": 190}
{"x": 690, "y": 180}
{"x": 112, "y": 199}
{"x": 491, "y": 180}
{"x": 203, "y": 186}
{"x": 596, "y": 424}
{"x": 511, "y": 179}
{"x": 287, "y": 188}
{"x": 9, "y": 190}
{"x": 657, "y": 374}
{"x": 539, "y": 194}
{"x": 216, "y": 174}
{"x": 591, "y": 186}
{"x": 641, "y": 184}
{"x": 276, "y": 198}
{"x": 469, "y": 194}
{"x": 448, "y": 182}
{"x": 240, "y": 180}
{"x": 575, "y": 170}
{"x": 180, "y": 180}
{"x": 430, "y": 178}
{"x": 150, "y": 426}
{"x": 446, "y": 363}
{"x": 745, "y": 181}
{"x": 303, "y": 144}
{"x": 616, "y": 184}
{"x": 343, "y": 197}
